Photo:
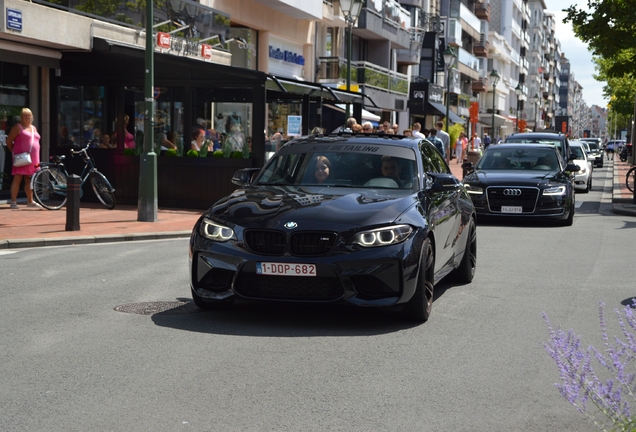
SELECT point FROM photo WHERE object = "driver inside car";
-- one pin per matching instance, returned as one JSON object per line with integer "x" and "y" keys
{"x": 391, "y": 169}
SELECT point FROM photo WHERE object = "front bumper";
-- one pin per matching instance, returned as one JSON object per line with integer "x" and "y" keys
{"x": 551, "y": 206}
{"x": 382, "y": 276}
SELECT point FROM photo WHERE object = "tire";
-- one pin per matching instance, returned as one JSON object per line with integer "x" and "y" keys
{"x": 211, "y": 304}
{"x": 466, "y": 270}
{"x": 570, "y": 220}
{"x": 629, "y": 179}
{"x": 49, "y": 188}
{"x": 102, "y": 188}
{"x": 419, "y": 307}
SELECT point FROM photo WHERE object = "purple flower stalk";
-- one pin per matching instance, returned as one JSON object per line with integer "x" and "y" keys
{"x": 611, "y": 387}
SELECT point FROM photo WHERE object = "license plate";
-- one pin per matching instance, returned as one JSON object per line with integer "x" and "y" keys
{"x": 511, "y": 209}
{"x": 285, "y": 269}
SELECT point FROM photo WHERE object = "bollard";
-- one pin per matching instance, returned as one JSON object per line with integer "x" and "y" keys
{"x": 73, "y": 184}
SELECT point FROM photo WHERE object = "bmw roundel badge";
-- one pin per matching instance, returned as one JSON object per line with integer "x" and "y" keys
{"x": 290, "y": 225}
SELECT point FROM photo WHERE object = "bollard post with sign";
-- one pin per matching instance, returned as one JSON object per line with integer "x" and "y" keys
{"x": 73, "y": 185}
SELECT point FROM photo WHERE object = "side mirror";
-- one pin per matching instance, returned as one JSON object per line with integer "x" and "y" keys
{"x": 572, "y": 168}
{"x": 244, "y": 176}
{"x": 468, "y": 166}
{"x": 573, "y": 156}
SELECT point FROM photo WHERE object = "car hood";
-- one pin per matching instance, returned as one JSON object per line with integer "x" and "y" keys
{"x": 311, "y": 207}
{"x": 518, "y": 178}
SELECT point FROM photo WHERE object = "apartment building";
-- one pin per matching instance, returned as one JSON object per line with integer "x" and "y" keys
{"x": 509, "y": 46}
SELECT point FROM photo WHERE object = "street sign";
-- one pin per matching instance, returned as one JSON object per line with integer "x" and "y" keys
{"x": 14, "y": 19}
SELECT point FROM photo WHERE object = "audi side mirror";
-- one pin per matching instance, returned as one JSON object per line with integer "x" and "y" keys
{"x": 572, "y": 168}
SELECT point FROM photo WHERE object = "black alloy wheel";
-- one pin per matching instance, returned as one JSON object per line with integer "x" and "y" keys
{"x": 419, "y": 307}
{"x": 466, "y": 270}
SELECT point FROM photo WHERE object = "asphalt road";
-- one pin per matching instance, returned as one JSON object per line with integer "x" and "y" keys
{"x": 71, "y": 362}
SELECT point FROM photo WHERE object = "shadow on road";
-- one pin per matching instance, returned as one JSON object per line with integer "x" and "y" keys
{"x": 273, "y": 319}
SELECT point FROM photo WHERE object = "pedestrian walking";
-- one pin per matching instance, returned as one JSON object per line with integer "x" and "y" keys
{"x": 441, "y": 134}
{"x": 24, "y": 142}
{"x": 486, "y": 141}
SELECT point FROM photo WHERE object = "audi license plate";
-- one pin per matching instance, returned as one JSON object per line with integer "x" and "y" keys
{"x": 285, "y": 269}
{"x": 511, "y": 209}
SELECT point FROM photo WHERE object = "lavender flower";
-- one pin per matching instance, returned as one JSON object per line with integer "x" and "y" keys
{"x": 611, "y": 387}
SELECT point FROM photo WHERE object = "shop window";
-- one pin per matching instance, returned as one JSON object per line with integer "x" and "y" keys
{"x": 277, "y": 116}
{"x": 81, "y": 116}
{"x": 228, "y": 125}
{"x": 244, "y": 56}
{"x": 14, "y": 95}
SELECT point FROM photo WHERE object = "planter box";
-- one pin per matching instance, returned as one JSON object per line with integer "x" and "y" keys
{"x": 182, "y": 182}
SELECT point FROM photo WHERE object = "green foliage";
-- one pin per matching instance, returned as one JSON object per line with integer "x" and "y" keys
{"x": 607, "y": 26}
{"x": 171, "y": 153}
{"x": 217, "y": 154}
{"x": 204, "y": 149}
{"x": 130, "y": 152}
{"x": 238, "y": 154}
{"x": 192, "y": 153}
{"x": 454, "y": 132}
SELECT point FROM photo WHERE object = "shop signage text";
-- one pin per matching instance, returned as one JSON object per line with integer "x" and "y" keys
{"x": 286, "y": 56}
{"x": 14, "y": 19}
{"x": 180, "y": 46}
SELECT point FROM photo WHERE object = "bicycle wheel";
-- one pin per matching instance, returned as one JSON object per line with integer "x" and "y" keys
{"x": 103, "y": 189}
{"x": 629, "y": 178}
{"x": 49, "y": 187}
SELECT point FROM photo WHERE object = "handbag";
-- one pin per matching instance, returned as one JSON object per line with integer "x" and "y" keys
{"x": 24, "y": 158}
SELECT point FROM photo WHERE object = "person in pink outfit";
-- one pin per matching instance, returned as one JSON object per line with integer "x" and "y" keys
{"x": 23, "y": 136}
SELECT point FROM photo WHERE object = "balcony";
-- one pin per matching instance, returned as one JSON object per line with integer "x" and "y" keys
{"x": 454, "y": 32}
{"x": 333, "y": 70}
{"x": 480, "y": 85}
{"x": 480, "y": 49}
{"x": 482, "y": 11}
{"x": 384, "y": 19}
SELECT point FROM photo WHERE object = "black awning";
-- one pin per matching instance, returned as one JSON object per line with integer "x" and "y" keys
{"x": 442, "y": 111}
{"x": 291, "y": 86}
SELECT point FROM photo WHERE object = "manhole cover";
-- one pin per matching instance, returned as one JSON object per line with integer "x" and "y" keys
{"x": 163, "y": 308}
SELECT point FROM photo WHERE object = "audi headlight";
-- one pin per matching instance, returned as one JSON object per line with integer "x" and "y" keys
{"x": 382, "y": 236}
{"x": 215, "y": 231}
{"x": 472, "y": 189}
{"x": 556, "y": 190}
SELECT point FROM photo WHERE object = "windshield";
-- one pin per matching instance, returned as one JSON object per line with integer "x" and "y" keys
{"x": 532, "y": 140}
{"x": 593, "y": 146}
{"x": 529, "y": 160}
{"x": 342, "y": 165}
{"x": 578, "y": 151}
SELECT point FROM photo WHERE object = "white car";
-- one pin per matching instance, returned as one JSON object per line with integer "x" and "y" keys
{"x": 583, "y": 178}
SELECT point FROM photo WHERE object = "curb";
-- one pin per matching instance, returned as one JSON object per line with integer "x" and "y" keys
{"x": 65, "y": 241}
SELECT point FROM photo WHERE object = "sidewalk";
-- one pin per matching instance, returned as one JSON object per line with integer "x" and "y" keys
{"x": 29, "y": 227}
{"x": 622, "y": 198}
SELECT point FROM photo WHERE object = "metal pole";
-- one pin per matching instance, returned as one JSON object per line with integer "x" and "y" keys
{"x": 517, "y": 116}
{"x": 147, "y": 202}
{"x": 448, "y": 69}
{"x": 350, "y": 26}
{"x": 492, "y": 132}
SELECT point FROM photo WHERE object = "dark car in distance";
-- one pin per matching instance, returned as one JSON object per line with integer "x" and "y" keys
{"x": 522, "y": 181}
{"x": 369, "y": 220}
{"x": 557, "y": 139}
{"x": 596, "y": 150}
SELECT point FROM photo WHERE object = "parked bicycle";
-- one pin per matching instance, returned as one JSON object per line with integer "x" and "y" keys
{"x": 49, "y": 183}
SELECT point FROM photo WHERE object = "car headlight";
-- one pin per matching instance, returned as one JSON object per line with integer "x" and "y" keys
{"x": 556, "y": 190}
{"x": 382, "y": 236}
{"x": 582, "y": 171}
{"x": 215, "y": 231}
{"x": 472, "y": 189}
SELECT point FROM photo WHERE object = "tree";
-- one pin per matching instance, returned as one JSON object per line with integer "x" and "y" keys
{"x": 621, "y": 90}
{"x": 609, "y": 29}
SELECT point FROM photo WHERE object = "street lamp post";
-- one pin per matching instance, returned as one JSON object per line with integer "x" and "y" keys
{"x": 518, "y": 92}
{"x": 494, "y": 77}
{"x": 350, "y": 10}
{"x": 449, "y": 58}
{"x": 536, "y": 111}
